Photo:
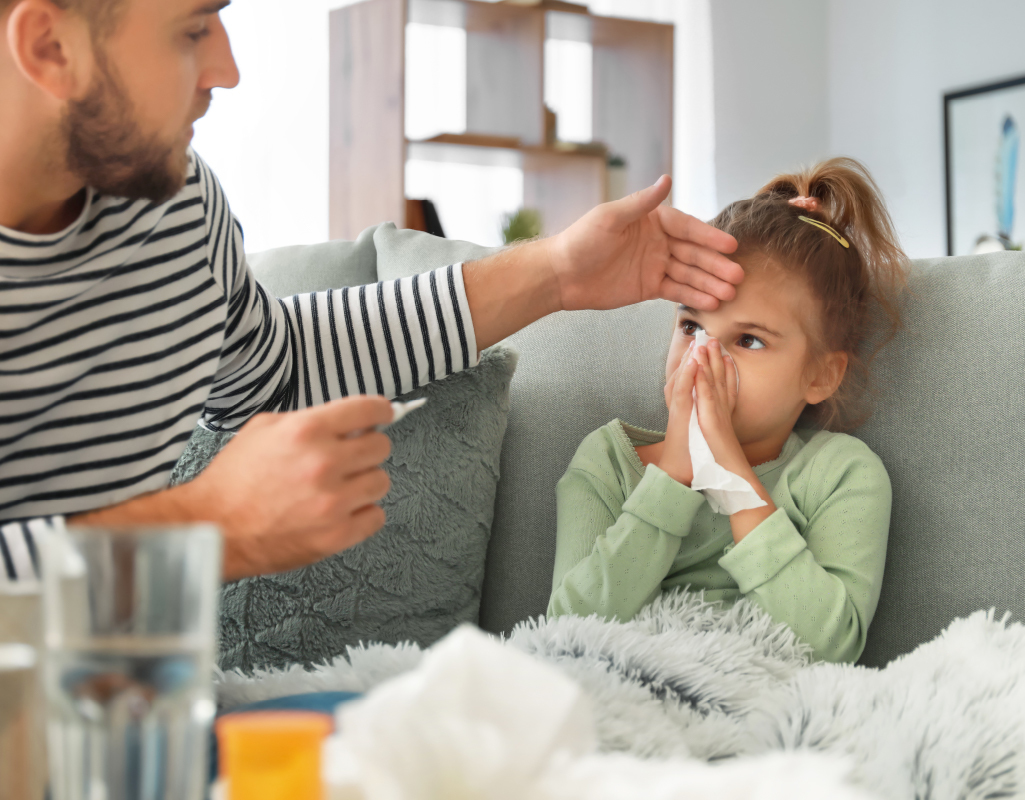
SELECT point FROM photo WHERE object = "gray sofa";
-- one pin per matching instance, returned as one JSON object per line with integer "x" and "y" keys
{"x": 949, "y": 425}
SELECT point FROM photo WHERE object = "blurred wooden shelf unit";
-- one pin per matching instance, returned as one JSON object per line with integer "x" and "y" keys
{"x": 631, "y": 105}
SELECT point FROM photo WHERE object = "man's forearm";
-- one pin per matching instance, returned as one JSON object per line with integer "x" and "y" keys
{"x": 179, "y": 505}
{"x": 172, "y": 506}
{"x": 509, "y": 290}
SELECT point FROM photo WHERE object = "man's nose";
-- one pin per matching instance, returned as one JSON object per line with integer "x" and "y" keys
{"x": 220, "y": 70}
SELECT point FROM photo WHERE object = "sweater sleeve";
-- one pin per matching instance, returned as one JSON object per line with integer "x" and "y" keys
{"x": 613, "y": 554}
{"x": 823, "y": 581}
{"x": 283, "y": 354}
{"x": 20, "y": 545}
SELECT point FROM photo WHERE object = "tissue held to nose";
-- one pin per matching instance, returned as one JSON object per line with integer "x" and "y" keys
{"x": 726, "y": 492}
{"x": 701, "y": 339}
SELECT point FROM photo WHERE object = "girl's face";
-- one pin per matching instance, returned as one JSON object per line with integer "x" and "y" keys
{"x": 762, "y": 330}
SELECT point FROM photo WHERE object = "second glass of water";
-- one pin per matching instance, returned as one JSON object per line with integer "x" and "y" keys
{"x": 131, "y": 619}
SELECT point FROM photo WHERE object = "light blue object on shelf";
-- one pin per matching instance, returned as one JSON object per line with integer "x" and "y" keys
{"x": 1007, "y": 173}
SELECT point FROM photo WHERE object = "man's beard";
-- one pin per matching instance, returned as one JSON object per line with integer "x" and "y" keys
{"x": 107, "y": 149}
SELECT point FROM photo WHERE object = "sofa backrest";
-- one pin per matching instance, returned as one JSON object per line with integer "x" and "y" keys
{"x": 949, "y": 425}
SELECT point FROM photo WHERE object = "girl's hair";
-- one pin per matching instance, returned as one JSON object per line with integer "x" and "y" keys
{"x": 857, "y": 287}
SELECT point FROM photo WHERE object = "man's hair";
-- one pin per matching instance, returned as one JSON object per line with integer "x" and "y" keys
{"x": 102, "y": 16}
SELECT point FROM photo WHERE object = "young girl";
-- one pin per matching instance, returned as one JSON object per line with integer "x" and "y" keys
{"x": 823, "y": 270}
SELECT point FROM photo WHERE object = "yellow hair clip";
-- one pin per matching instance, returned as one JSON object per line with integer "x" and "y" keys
{"x": 827, "y": 229}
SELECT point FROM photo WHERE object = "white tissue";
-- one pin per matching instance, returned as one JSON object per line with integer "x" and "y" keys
{"x": 726, "y": 492}
{"x": 474, "y": 720}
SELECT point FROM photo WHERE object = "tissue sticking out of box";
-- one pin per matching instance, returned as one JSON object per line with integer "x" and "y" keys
{"x": 726, "y": 492}
{"x": 476, "y": 719}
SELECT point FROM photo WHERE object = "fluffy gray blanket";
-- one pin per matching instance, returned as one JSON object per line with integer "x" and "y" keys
{"x": 688, "y": 678}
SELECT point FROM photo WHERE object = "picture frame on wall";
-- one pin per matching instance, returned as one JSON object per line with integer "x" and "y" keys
{"x": 982, "y": 131}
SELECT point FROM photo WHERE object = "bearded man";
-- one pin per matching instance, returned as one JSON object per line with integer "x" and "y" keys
{"x": 127, "y": 310}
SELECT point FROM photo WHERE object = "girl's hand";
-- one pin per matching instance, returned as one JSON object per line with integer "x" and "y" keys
{"x": 716, "y": 384}
{"x": 675, "y": 459}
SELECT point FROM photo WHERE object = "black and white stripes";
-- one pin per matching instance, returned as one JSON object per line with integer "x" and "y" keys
{"x": 20, "y": 543}
{"x": 119, "y": 333}
{"x": 382, "y": 350}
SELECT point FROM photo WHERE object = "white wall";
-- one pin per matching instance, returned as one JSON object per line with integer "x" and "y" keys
{"x": 771, "y": 90}
{"x": 267, "y": 139}
{"x": 890, "y": 63}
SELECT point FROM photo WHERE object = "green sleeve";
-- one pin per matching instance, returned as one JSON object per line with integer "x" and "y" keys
{"x": 613, "y": 554}
{"x": 823, "y": 580}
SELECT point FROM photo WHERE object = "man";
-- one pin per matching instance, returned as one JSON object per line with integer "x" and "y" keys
{"x": 127, "y": 311}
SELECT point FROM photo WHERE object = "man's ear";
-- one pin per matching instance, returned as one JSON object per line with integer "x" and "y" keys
{"x": 826, "y": 380}
{"x": 50, "y": 46}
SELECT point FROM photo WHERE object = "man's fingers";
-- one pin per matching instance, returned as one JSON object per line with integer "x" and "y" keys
{"x": 360, "y": 525}
{"x": 352, "y": 414}
{"x": 683, "y": 226}
{"x": 362, "y": 490}
{"x": 638, "y": 204}
{"x": 360, "y": 454}
{"x": 716, "y": 265}
{"x": 697, "y": 278}
{"x": 369, "y": 519}
{"x": 676, "y": 292}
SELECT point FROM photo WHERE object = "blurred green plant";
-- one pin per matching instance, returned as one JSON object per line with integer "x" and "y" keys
{"x": 520, "y": 225}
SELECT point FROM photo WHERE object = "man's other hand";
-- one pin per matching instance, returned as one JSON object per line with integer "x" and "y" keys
{"x": 635, "y": 249}
{"x": 293, "y": 488}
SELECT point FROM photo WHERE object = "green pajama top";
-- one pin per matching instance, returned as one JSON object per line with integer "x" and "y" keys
{"x": 627, "y": 532}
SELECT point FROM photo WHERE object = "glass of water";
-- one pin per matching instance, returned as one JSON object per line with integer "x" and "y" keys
{"x": 22, "y": 708}
{"x": 130, "y": 633}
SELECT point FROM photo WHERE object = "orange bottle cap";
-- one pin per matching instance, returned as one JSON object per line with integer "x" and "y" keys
{"x": 272, "y": 755}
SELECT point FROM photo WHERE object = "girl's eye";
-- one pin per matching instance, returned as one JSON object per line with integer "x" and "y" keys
{"x": 749, "y": 342}
{"x": 197, "y": 36}
{"x": 689, "y": 327}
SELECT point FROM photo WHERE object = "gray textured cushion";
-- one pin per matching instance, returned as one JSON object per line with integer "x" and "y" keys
{"x": 421, "y": 575}
{"x": 950, "y": 426}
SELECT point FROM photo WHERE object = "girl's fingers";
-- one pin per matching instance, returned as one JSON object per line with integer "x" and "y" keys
{"x": 718, "y": 368}
{"x": 731, "y": 381}
{"x": 703, "y": 389}
{"x": 682, "y": 400}
{"x": 671, "y": 382}
{"x": 685, "y": 385}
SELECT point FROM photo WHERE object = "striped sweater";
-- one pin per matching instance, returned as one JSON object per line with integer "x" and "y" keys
{"x": 120, "y": 332}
